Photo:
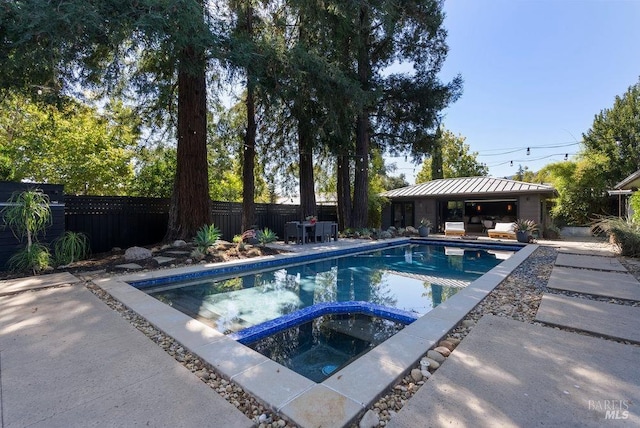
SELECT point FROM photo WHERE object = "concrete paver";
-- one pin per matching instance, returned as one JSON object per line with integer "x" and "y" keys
{"x": 507, "y": 373}
{"x": 607, "y": 319}
{"x": 590, "y": 262}
{"x": 69, "y": 360}
{"x": 610, "y": 284}
{"x": 19, "y": 285}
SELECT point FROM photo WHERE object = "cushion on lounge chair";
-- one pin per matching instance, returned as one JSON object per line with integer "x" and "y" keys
{"x": 502, "y": 230}
{"x": 454, "y": 228}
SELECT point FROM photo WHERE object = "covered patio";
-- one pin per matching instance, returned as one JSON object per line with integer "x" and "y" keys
{"x": 479, "y": 202}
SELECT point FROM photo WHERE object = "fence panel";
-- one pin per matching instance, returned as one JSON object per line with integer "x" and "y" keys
{"x": 117, "y": 221}
{"x": 122, "y": 221}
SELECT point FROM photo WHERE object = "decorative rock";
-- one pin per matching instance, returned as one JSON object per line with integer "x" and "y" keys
{"x": 442, "y": 350}
{"x": 282, "y": 423}
{"x": 433, "y": 364}
{"x": 369, "y": 420}
{"x": 137, "y": 253}
{"x": 425, "y": 374}
{"x": 385, "y": 235}
{"x": 436, "y": 356}
{"x": 178, "y": 243}
{"x": 416, "y": 375}
{"x": 447, "y": 344}
{"x": 468, "y": 323}
{"x": 453, "y": 340}
{"x": 116, "y": 249}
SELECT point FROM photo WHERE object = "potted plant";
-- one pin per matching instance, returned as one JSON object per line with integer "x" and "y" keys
{"x": 524, "y": 228}
{"x": 423, "y": 229}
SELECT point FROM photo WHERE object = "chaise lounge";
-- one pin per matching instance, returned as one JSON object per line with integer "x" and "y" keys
{"x": 503, "y": 230}
{"x": 454, "y": 228}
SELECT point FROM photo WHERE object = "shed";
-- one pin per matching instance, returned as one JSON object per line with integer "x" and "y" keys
{"x": 478, "y": 201}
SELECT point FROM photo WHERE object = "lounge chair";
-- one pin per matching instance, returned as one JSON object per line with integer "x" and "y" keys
{"x": 503, "y": 230}
{"x": 454, "y": 228}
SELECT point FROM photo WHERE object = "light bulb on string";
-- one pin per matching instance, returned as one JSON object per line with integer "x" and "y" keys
{"x": 528, "y": 151}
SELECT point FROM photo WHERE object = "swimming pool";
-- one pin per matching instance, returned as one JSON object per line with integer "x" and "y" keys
{"x": 412, "y": 278}
{"x": 348, "y": 391}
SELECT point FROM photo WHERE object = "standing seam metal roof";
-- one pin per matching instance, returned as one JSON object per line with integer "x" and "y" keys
{"x": 480, "y": 186}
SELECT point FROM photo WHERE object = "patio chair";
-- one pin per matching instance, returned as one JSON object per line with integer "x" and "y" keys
{"x": 454, "y": 228}
{"x": 503, "y": 230}
{"x": 318, "y": 232}
{"x": 292, "y": 230}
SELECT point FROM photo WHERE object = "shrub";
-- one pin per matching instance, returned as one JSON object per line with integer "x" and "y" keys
{"x": 28, "y": 214}
{"x": 70, "y": 247}
{"x": 622, "y": 232}
{"x": 266, "y": 236}
{"x": 35, "y": 258}
{"x": 206, "y": 236}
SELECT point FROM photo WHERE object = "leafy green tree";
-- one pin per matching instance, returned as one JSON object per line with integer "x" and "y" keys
{"x": 153, "y": 50}
{"x": 71, "y": 144}
{"x": 525, "y": 174}
{"x": 457, "y": 159}
{"x": 581, "y": 187}
{"x": 155, "y": 172}
{"x": 615, "y": 133}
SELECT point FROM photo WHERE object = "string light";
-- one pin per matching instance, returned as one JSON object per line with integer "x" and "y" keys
{"x": 528, "y": 151}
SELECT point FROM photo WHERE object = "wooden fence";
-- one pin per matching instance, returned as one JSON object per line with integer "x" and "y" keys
{"x": 112, "y": 221}
{"x": 120, "y": 221}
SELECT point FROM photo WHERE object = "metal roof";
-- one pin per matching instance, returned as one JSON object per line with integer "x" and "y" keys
{"x": 469, "y": 186}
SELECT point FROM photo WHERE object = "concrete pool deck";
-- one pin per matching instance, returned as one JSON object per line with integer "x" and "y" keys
{"x": 44, "y": 332}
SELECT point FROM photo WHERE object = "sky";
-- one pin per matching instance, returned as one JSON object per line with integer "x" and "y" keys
{"x": 536, "y": 72}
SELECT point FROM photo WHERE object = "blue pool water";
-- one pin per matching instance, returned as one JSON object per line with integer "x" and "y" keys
{"x": 413, "y": 278}
{"x": 320, "y": 347}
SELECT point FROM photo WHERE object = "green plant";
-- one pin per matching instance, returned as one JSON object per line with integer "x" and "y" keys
{"x": 197, "y": 253}
{"x": 70, "y": 247}
{"x": 266, "y": 236}
{"x": 28, "y": 214}
{"x": 35, "y": 258}
{"x": 425, "y": 222}
{"x": 622, "y": 232}
{"x": 206, "y": 236}
{"x": 524, "y": 225}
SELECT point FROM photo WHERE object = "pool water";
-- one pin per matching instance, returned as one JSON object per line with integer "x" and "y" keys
{"x": 412, "y": 278}
{"x": 318, "y": 348}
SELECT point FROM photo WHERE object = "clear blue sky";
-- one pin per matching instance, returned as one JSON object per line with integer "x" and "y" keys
{"x": 535, "y": 72}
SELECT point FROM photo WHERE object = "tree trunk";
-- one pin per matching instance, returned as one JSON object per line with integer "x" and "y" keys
{"x": 361, "y": 180}
{"x": 249, "y": 163}
{"x": 361, "y": 176}
{"x": 344, "y": 193}
{"x": 190, "y": 206}
{"x": 307, "y": 185}
{"x": 249, "y": 152}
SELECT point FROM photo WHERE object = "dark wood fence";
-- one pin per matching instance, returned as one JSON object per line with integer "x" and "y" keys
{"x": 9, "y": 244}
{"x": 120, "y": 221}
{"x": 112, "y": 221}
{"x": 117, "y": 221}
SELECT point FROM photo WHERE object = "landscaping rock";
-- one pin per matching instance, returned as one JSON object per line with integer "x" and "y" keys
{"x": 433, "y": 364}
{"x": 369, "y": 420}
{"x": 442, "y": 350}
{"x": 436, "y": 356}
{"x": 416, "y": 375}
{"x": 137, "y": 253}
{"x": 178, "y": 243}
{"x": 447, "y": 344}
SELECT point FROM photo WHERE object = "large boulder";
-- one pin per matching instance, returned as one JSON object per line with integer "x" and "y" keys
{"x": 137, "y": 253}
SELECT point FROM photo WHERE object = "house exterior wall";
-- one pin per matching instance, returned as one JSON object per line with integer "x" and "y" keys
{"x": 426, "y": 208}
{"x": 529, "y": 208}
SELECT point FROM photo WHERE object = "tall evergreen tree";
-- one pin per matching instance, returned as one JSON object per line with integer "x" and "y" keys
{"x": 152, "y": 48}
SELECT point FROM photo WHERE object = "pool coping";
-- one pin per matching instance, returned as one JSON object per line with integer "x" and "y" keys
{"x": 347, "y": 393}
